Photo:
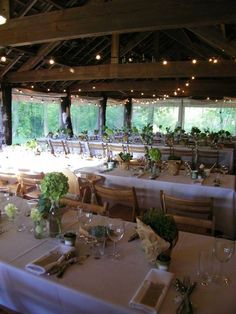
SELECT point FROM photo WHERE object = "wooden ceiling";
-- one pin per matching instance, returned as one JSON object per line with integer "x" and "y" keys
{"x": 133, "y": 37}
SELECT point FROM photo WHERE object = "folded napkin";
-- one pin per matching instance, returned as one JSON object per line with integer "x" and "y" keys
{"x": 152, "y": 291}
{"x": 44, "y": 263}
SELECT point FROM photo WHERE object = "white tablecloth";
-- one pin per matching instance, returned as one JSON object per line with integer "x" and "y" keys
{"x": 148, "y": 192}
{"x": 101, "y": 286}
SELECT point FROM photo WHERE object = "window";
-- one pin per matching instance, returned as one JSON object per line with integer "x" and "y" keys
{"x": 33, "y": 117}
{"x": 84, "y": 116}
{"x": 114, "y": 115}
{"x": 210, "y": 116}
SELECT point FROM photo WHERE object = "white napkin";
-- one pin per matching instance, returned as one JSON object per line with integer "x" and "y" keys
{"x": 44, "y": 263}
{"x": 152, "y": 291}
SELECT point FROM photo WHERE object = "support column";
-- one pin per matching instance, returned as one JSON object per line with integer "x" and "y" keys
{"x": 65, "y": 111}
{"x": 7, "y": 113}
{"x": 102, "y": 114}
{"x": 128, "y": 113}
{"x": 115, "y": 47}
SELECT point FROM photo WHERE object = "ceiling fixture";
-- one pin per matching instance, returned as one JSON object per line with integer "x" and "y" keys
{"x": 3, "y": 59}
{"x": 98, "y": 57}
{"x": 51, "y": 61}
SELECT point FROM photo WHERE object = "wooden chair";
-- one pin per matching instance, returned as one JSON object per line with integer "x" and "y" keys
{"x": 190, "y": 215}
{"x": 208, "y": 157}
{"x": 166, "y": 152}
{"x": 115, "y": 149}
{"x": 136, "y": 149}
{"x": 122, "y": 202}
{"x": 96, "y": 149}
{"x": 185, "y": 154}
{"x": 74, "y": 147}
{"x": 57, "y": 147}
{"x": 9, "y": 180}
{"x": 94, "y": 208}
{"x": 29, "y": 184}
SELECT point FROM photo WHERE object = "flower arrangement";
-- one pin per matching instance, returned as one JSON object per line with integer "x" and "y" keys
{"x": 54, "y": 186}
{"x": 158, "y": 233}
{"x": 10, "y": 210}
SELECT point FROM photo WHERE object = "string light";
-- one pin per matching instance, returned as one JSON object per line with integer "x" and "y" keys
{"x": 194, "y": 61}
{"x": 94, "y": 87}
{"x": 32, "y": 86}
{"x": 175, "y": 93}
{"x": 3, "y": 59}
{"x": 72, "y": 70}
{"x": 187, "y": 84}
{"x": 64, "y": 91}
{"x": 132, "y": 91}
{"x": 51, "y": 61}
{"x": 98, "y": 57}
{"x": 164, "y": 62}
{"x": 48, "y": 89}
{"x": 215, "y": 61}
{"x": 193, "y": 77}
{"x": 79, "y": 90}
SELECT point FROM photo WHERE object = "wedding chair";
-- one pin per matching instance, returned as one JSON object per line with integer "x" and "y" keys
{"x": 185, "y": 154}
{"x": 9, "y": 180}
{"x": 29, "y": 184}
{"x": 115, "y": 149}
{"x": 208, "y": 157}
{"x": 190, "y": 215}
{"x": 136, "y": 149}
{"x": 74, "y": 147}
{"x": 57, "y": 147}
{"x": 96, "y": 149}
{"x": 94, "y": 208}
{"x": 122, "y": 202}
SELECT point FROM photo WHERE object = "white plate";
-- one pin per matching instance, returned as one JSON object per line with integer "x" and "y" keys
{"x": 152, "y": 291}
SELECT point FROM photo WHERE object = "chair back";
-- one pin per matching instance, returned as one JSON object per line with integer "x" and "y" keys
{"x": 190, "y": 215}
{"x": 29, "y": 184}
{"x": 9, "y": 180}
{"x": 115, "y": 149}
{"x": 118, "y": 196}
{"x": 74, "y": 147}
{"x": 208, "y": 157}
{"x": 96, "y": 149}
{"x": 57, "y": 146}
{"x": 94, "y": 208}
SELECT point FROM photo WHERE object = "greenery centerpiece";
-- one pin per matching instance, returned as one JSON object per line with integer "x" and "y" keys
{"x": 154, "y": 158}
{"x": 174, "y": 164}
{"x": 53, "y": 187}
{"x": 158, "y": 233}
{"x": 124, "y": 159}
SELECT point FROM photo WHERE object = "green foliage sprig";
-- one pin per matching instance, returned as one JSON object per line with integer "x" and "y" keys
{"x": 163, "y": 224}
{"x": 125, "y": 156}
{"x": 154, "y": 154}
{"x": 54, "y": 186}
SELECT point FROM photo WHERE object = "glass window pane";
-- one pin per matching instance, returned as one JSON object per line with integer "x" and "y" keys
{"x": 84, "y": 116}
{"x": 115, "y": 116}
{"x": 212, "y": 118}
{"x": 165, "y": 117}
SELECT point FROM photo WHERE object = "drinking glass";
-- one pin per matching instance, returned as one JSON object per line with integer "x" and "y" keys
{"x": 224, "y": 169}
{"x": 115, "y": 231}
{"x": 223, "y": 251}
{"x": 205, "y": 266}
{"x": 84, "y": 219}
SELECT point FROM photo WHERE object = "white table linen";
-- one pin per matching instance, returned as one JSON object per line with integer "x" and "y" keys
{"x": 102, "y": 286}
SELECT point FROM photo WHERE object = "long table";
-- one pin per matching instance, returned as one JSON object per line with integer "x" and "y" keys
{"x": 148, "y": 191}
{"x": 101, "y": 286}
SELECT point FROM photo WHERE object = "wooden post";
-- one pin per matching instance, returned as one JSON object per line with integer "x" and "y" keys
{"x": 65, "y": 110}
{"x": 115, "y": 47}
{"x": 7, "y": 113}
{"x": 128, "y": 113}
{"x": 102, "y": 114}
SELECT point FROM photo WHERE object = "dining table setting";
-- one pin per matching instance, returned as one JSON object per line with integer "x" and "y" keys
{"x": 118, "y": 279}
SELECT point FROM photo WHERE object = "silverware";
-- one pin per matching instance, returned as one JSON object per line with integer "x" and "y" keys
{"x": 70, "y": 262}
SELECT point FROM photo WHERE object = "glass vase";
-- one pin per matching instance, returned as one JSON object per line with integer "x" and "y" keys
{"x": 40, "y": 229}
{"x": 54, "y": 220}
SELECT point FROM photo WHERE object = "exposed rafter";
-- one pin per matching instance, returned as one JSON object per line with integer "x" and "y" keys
{"x": 136, "y": 15}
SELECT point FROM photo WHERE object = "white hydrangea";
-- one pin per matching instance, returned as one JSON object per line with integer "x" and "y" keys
{"x": 35, "y": 214}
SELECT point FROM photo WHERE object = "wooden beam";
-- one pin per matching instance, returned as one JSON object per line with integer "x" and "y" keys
{"x": 7, "y": 112}
{"x": 26, "y": 9}
{"x": 213, "y": 37}
{"x": 115, "y": 47}
{"x": 43, "y": 51}
{"x": 125, "y": 16}
{"x": 176, "y": 69}
{"x": 5, "y": 8}
{"x": 223, "y": 87}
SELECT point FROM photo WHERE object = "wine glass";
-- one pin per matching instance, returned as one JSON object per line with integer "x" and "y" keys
{"x": 115, "y": 231}
{"x": 224, "y": 169}
{"x": 223, "y": 250}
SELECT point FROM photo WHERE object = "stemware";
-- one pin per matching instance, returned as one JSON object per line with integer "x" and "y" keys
{"x": 115, "y": 231}
{"x": 84, "y": 219}
{"x": 223, "y": 251}
{"x": 224, "y": 169}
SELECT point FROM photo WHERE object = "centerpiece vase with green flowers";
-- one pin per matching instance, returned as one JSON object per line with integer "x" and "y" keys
{"x": 154, "y": 155}
{"x": 53, "y": 187}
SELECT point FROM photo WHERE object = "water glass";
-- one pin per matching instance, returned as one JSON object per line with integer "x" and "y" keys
{"x": 205, "y": 266}
{"x": 115, "y": 231}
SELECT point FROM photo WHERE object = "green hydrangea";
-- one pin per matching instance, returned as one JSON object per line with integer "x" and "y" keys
{"x": 35, "y": 214}
{"x": 54, "y": 186}
{"x": 10, "y": 210}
